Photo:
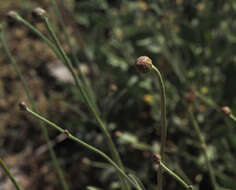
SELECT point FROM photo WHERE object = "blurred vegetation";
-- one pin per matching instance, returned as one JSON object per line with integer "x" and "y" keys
{"x": 193, "y": 45}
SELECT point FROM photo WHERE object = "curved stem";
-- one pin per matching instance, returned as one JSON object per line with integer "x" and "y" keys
{"x": 84, "y": 144}
{"x": 33, "y": 104}
{"x": 12, "y": 178}
{"x": 163, "y": 123}
{"x": 174, "y": 175}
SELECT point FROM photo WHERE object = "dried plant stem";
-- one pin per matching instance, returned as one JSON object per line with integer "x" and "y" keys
{"x": 163, "y": 123}
{"x": 12, "y": 178}
{"x": 82, "y": 143}
{"x": 33, "y": 104}
{"x": 92, "y": 107}
{"x": 204, "y": 148}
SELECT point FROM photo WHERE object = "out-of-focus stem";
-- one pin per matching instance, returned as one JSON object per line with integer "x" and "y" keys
{"x": 33, "y": 104}
{"x": 68, "y": 40}
{"x": 7, "y": 171}
{"x": 204, "y": 148}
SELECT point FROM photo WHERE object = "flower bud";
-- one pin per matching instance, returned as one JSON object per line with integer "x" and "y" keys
{"x": 39, "y": 14}
{"x": 156, "y": 158}
{"x": 12, "y": 18}
{"x": 143, "y": 64}
{"x": 226, "y": 110}
{"x": 12, "y": 15}
{"x": 22, "y": 106}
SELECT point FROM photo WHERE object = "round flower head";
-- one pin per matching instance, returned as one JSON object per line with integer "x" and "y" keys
{"x": 143, "y": 64}
{"x": 22, "y": 106}
{"x": 39, "y": 13}
{"x": 12, "y": 15}
{"x": 226, "y": 110}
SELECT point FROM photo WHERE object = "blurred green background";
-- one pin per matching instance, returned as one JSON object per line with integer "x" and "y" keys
{"x": 192, "y": 42}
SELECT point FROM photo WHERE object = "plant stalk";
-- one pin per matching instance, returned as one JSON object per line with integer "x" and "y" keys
{"x": 164, "y": 126}
{"x": 82, "y": 143}
{"x": 92, "y": 107}
{"x": 204, "y": 149}
{"x": 174, "y": 175}
{"x": 67, "y": 38}
{"x": 33, "y": 104}
{"x": 12, "y": 178}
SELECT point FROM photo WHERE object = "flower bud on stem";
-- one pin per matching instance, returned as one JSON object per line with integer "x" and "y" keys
{"x": 144, "y": 65}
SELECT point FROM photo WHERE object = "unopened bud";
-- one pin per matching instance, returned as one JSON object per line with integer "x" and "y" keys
{"x": 156, "y": 158}
{"x": 12, "y": 15}
{"x": 143, "y": 64}
{"x": 226, "y": 110}
{"x": 22, "y": 106}
{"x": 39, "y": 13}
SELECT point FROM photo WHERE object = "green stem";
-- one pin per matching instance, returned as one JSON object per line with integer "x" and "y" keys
{"x": 232, "y": 117}
{"x": 82, "y": 143}
{"x": 78, "y": 82}
{"x": 174, "y": 175}
{"x": 163, "y": 122}
{"x": 40, "y": 34}
{"x": 4, "y": 167}
{"x": 204, "y": 149}
{"x": 33, "y": 104}
{"x": 67, "y": 38}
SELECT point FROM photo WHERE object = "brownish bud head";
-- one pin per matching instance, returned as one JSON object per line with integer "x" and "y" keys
{"x": 39, "y": 13}
{"x": 22, "y": 106}
{"x": 143, "y": 64}
{"x": 226, "y": 110}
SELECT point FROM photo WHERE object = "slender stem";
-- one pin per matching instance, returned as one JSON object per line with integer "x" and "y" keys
{"x": 82, "y": 143}
{"x": 68, "y": 40}
{"x": 204, "y": 149}
{"x": 12, "y": 178}
{"x": 163, "y": 122}
{"x": 33, "y": 104}
{"x": 232, "y": 117}
{"x": 61, "y": 54}
{"x": 40, "y": 34}
{"x": 170, "y": 172}
{"x": 78, "y": 82}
